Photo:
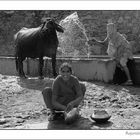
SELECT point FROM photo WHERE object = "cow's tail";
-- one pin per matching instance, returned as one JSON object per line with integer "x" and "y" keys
{"x": 16, "y": 61}
{"x": 16, "y": 54}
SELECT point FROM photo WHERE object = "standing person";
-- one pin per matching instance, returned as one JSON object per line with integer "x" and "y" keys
{"x": 66, "y": 92}
{"x": 119, "y": 49}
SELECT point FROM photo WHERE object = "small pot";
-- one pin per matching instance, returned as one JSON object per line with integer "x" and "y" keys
{"x": 100, "y": 116}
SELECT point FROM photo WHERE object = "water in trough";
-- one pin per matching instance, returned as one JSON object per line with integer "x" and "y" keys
{"x": 73, "y": 40}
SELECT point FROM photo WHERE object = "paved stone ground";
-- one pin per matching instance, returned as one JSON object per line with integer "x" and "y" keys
{"x": 22, "y": 106}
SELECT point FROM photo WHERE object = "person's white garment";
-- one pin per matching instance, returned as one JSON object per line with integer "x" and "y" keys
{"x": 111, "y": 50}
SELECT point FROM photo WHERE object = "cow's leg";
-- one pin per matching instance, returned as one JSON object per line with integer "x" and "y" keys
{"x": 21, "y": 72}
{"x": 41, "y": 63}
{"x": 53, "y": 65}
{"x": 18, "y": 66}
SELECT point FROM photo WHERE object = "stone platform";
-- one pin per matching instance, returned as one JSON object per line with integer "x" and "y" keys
{"x": 89, "y": 69}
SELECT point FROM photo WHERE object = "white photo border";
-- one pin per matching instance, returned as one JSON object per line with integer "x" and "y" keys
{"x": 69, "y": 5}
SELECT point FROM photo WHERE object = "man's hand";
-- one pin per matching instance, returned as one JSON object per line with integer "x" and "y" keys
{"x": 69, "y": 107}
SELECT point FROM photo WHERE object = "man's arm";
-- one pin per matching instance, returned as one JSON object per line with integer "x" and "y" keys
{"x": 55, "y": 90}
{"x": 94, "y": 40}
{"x": 79, "y": 94}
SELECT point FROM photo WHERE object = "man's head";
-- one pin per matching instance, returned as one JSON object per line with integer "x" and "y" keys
{"x": 111, "y": 28}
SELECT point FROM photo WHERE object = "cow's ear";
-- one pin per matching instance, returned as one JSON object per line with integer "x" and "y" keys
{"x": 43, "y": 25}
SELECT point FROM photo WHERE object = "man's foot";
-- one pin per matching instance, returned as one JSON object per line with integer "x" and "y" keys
{"x": 53, "y": 116}
{"x": 128, "y": 83}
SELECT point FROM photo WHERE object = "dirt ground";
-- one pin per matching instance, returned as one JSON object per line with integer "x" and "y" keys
{"x": 22, "y": 105}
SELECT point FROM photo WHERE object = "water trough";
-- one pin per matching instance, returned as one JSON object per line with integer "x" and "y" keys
{"x": 89, "y": 69}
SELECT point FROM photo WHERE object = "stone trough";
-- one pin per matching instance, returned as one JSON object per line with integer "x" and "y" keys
{"x": 89, "y": 69}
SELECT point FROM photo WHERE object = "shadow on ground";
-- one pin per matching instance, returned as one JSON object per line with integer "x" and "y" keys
{"x": 105, "y": 125}
{"x": 81, "y": 124}
{"x": 35, "y": 83}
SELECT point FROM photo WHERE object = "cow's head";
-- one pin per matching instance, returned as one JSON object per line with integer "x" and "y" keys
{"x": 51, "y": 25}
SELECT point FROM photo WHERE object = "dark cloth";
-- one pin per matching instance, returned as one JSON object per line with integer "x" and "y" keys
{"x": 120, "y": 75}
{"x": 132, "y": 69}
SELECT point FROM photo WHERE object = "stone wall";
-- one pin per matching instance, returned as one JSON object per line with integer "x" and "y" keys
{"x": 93, "y": 69}
{"x": 127, "y": 21}
{"x": 84, "y": 69}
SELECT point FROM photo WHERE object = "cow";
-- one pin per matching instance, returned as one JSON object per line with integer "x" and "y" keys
{"x": 37, "y": 43}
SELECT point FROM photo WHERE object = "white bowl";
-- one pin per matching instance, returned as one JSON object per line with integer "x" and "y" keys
{"x": 100, "y": 116}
